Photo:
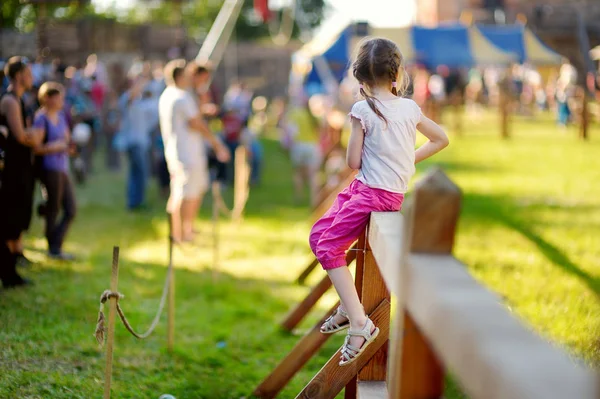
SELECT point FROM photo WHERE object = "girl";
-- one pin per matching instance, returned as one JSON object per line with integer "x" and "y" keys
{"x": 55, "y": 167}
{"x": 381, "y": 147}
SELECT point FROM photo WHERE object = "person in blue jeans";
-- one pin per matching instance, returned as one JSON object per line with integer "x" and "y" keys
{"x": 140, "y": 117}
{"x": 54, "y": 168}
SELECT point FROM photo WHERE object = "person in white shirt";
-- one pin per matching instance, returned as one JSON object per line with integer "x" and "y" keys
{"x": 183, "y": 130}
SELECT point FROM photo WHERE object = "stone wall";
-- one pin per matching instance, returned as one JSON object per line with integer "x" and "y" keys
{"x": 263, "y": 67}
{"x": 12, "y": 43}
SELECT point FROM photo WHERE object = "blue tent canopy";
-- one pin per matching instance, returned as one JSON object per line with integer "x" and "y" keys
{"x": 508, "y": 38}
{"x": 519, "y": 40}
{"x": 447, "y": 45}
{"x": 337, "y": 57}
{"x": 454, "y": 46}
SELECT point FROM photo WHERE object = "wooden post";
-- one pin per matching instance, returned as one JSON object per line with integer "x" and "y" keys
{"x": 374, "y": 291}
{"x": 171, "y": 298}
{"x": 397, "y": 329}
{"x": 114, "y": 283}
{"x": 504, "y": 103}
{"x": 351, "y": 390}
{"x": 241, "y": 178}
{"x": 504, "y": 116}
{"x": 457, "y": 105}
{"x": 215, "y": 226}
{"x": 585, "y": 120}
{"x": 433, "y": 218}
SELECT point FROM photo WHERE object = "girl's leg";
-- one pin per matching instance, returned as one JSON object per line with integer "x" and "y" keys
{"x": 298, "y": 185}
{"x": 327, "y": 219}
{"x": 344, "y": 285}
{"x": 69, "y": 207}
{"x": 349, "y": 222}
{"x": 52, "y": 182}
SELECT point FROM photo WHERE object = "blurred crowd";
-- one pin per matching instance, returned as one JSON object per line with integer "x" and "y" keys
{"x": 314, "y": 127}
{"x": 57, "y": 119}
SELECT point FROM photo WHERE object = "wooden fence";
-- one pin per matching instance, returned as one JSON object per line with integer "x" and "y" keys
{"x": 442, "y": 319}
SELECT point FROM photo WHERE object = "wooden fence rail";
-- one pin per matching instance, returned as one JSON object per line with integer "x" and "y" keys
{"x": 443, "y": 319}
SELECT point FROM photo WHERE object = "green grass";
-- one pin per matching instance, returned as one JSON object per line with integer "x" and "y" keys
{"x": 529, "y": 231}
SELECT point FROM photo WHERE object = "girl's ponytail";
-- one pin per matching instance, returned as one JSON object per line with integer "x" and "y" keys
{"x": 371, "y": 101}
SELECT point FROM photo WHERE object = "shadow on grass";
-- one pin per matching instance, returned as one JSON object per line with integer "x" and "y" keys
{"x": 505, "y": 212}
{"x": 227, "y": 333}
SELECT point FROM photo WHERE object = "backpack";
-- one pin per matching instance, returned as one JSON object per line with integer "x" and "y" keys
{"x": 3, "y": 140}
{"x": 232, "y": 127}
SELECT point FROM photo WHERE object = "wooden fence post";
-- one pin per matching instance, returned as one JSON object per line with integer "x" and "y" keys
{"x": 114, "y": 283}
{"x": 215, "y": 227}
{"x": 374, "y": 291}
{"x": 351, "y": 389}
{"x": 585, "y": 117}
{"x": 171, "y": 298}
{"x": 433, "y": 216}
{"x": 241, "y": 181}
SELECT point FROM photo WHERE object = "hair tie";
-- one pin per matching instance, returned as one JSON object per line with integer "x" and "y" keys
{"x": 361, "y": 86}
{"x": 394, "y": 84}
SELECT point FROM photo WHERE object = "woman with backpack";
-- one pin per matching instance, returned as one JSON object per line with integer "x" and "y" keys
{"x": 53, "y": 167}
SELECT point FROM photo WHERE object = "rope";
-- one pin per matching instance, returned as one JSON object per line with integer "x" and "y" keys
{"x": 107, "y": 294}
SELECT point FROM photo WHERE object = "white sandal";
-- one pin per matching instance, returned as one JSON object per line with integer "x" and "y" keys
{"x": 331, "y": 327}
{"x": 349, "y": 352}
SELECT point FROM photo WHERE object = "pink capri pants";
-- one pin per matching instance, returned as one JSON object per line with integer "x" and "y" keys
{"x": 342, "y": 224}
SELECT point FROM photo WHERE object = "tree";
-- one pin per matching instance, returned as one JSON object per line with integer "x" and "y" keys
{"x": 16, "y": 14}
{"x": 22, "y": 15}
{"x": 198, "y": 15}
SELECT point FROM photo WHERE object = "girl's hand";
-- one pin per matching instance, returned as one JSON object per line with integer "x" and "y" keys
{"x": 222, "y": 153}
{"x": 72, "y": 149}
{"x": 35, "y": 136}
{"x": 58, "y": 146}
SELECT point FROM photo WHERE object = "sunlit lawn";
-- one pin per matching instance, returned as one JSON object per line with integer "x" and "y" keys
{"x": 530, "y": 231}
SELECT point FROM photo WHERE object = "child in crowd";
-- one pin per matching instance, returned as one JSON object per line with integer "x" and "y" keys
{"x": 55, "y": 167}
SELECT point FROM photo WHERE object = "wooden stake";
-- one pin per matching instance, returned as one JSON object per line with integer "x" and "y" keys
{"x": 114, "y": 282}
{"x": 504, "y": 108}
{"x": 374, "y": 292}
{"x": 241, "y": 178}
{"x": 215, "y": 226}
{"x": 171, "y": 299}
{"x": 585, "y": 121}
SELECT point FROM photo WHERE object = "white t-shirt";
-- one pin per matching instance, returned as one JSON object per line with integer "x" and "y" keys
{"x": 184, "y": 147}
{"x": 388, "y": 155}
